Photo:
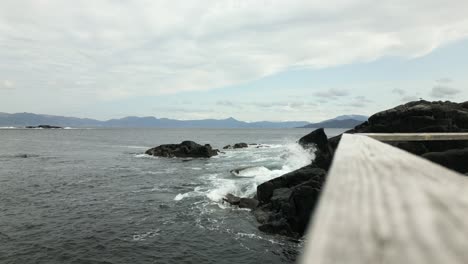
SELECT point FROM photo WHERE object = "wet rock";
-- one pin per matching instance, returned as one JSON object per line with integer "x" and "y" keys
{"x": 323, "y": 150}
{"x": 304, "y": 174}
{"x": 186, "y": 149}
{"x": 240, "y": 145}
{"x": 249, "y": 203}
{"x": 227, "y": 147}
{"x": 287, "y": 202}
{"x": 232, "y": 199}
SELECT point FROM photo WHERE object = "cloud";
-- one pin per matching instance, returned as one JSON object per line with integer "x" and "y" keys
{"x": 332, "y": 93}
{"x": 444, "y": 80}
{"x": 226, "y": 103}
{"x": 409, "y": 98}
{"x": 443, "y": 91}
{"x": 120, "y": 49}
{"x": 358, "y": 102}
{"x": 7, "y": 85}
{"x": 399, "y": 91}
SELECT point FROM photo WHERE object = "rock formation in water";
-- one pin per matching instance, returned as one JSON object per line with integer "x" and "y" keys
{"x": 45, "y": 127}
{"x": 186, "y": 149}
{"x": 237, "y": 146}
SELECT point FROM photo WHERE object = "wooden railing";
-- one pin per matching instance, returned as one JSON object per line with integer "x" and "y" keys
{"x": 383, "y": 205}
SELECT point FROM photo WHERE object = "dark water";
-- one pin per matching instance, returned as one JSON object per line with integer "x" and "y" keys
{"x": 91, "y": 196}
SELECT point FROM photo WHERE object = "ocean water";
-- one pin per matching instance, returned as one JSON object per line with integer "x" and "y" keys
{"x": 92, "y": 196}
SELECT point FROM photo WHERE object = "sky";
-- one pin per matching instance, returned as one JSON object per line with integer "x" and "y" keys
{"x": 252, "y": 60}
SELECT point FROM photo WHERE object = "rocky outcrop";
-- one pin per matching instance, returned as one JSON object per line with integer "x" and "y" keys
{"x": 186, "y": 149}
{"x": 286, "y": 203}
{"x": 237, "y": 146}
{"x": 323, "y": 150}
{"x": 421, "y": 116}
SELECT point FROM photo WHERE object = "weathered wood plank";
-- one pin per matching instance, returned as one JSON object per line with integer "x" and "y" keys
{"x": 383, "y": 205}
{"x": 416, "y": 136}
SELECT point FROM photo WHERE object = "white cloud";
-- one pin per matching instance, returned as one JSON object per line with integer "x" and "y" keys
{"x": 7, "y": 85}
{"x": 332, "y": 93}
{"x": 443, "y": 91}
{"x": 119, "y": 49}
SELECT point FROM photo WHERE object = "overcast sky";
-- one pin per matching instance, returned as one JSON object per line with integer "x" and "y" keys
{"x": 252, "y": 60}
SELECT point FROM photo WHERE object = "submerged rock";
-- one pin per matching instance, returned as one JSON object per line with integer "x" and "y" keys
{"x": 185, "y": 149}
{"x": 250, "y": 203}
{"x": 232, "y": 199}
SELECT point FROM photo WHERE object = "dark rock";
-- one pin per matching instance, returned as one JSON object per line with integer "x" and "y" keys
{"x": 323, "y": 150}
{"x": 417, "y": 148}
{"x": 250, "y": 203}
{"x": 185, "y": 149}
{"x": 280, "y": 226}
{"x": 45, "y": 127}
{"x": 232, "y": 199}
{"x": 304, "y": 174}
{"x": 240, "y": 145}
{"x": 316, "y": 138}
{"x": 227, "y": 147}
{"x": 287, "y": 202}
{"x": 455, "y": 159}
{"x": 418, "y": 117}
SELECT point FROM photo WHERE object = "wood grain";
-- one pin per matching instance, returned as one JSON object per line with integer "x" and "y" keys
{"x": 416, "y": 136}
{"x": 383, "y": 205}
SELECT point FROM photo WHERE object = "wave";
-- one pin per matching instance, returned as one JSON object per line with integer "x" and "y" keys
{"x": 244, "y": 183}
{"x": 8, "y": 127}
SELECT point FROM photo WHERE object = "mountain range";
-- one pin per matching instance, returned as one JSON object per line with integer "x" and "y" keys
{"x": 30, "y": 119}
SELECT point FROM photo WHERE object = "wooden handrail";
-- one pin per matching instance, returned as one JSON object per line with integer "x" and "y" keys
{"x": 383, "y": 205}
{"x": 416, "y": 136}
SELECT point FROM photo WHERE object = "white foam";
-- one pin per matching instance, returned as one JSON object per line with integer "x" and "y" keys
{"x": 293, "y": 157}
{"x": 7, "y": 127}
{"x": 145, "y": 156}
{"x": 252, "y": 171}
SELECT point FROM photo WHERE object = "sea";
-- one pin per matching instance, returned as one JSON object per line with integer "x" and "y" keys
{"x": 93, "y": 196}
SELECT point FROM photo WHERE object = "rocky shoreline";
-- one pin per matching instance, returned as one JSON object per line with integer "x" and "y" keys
{"x": 285, "y": 204}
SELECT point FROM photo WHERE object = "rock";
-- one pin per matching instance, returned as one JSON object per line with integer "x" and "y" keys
{"x": 250, "y": 203}
{"x": 304, "y": 174}
{"x": 45, "y": 127}
{"x": 237, "y": 146}
{"x": 286, "y": 202}
{"x": 455, "y": 159}
{"x": 232, "y": 199}
{"x": 240, "y": 145}
{"x": 316, "y": 138}
{"x": 186, "y": 149}
{"x": 417, "y": 117}
{"x": 323, "y": 150}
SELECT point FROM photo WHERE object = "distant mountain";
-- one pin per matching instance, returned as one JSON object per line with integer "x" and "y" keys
{"x": 345, "y": 121}
{"x": 362, "y": 118}
{"x": 29, "y": 119}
